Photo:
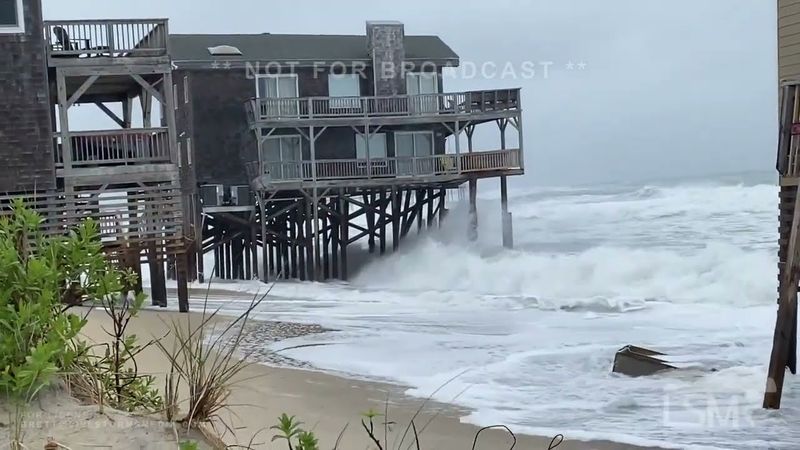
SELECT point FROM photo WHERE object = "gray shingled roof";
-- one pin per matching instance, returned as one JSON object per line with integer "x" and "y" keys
{"x": 300, "y": 47}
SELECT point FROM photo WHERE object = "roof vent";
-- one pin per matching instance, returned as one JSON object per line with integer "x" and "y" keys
{"x": 224, "y": 50}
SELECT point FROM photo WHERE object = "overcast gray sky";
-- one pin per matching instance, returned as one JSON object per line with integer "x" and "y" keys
{"x": 668, "y": 87}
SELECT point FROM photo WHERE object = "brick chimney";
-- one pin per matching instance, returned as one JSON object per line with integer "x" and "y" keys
{"x": 386, "y": 47}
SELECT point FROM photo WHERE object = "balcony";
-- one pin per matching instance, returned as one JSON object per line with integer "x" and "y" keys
{"x": 116, "y": 148}
{"x": 392, "y": 109}
{"x": 407, "y": 169}
{"x": 82, "y": 41}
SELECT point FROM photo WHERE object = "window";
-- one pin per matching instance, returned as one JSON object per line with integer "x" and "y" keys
{"x": 344, "y": 85}
{"x": 422, "y": 83}
{"x": 12, "y": 19}
{"x": 180, "y": 154}
{"x": 282, "y": 88}
{"x": 174, "y": 94}
{"x": 377, "y": 146}
{"x": 276, "y": 86}
{"x": 186, "y": 89}
{"x": 224, "y": 50}
{"x": 189, "y": 151}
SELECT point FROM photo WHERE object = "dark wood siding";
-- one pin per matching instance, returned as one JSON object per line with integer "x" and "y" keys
{"x": 222, "y": 141}
{"x": 26, "y": 131}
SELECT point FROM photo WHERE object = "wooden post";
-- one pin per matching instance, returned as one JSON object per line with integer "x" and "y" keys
{"x": 309, "y": 242}
{"x": 254, "y": 248}
{"x": 473, "y": 209}
{"x": 336, "y": 232}
{"x": 158, "y": 282}
{"x": 326, "y": 233}
{"x": 345, "y": 229}
{"x": 384, "y": 217}
{"x": 508, "y": 235}
{"x": 296, "y": 234}
{"x": 442, "y": 206}
{"x": 418, "y": 206}
{"x": 217, "y": 262}
{"x": 784, "y": 345}
{"x": 369, "y": 200}
{"x": 395, "y": 218}
{"x": 431, "y": 200}
{"x": 182, "y": 270}
{"x": 264, "y": 248}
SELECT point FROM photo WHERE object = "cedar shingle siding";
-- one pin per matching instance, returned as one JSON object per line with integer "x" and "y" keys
{"x": 789, "y": 39}
{"x": 26, "y": 152}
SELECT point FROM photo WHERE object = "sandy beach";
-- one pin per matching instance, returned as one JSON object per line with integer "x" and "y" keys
{"x": 325, "y": 403}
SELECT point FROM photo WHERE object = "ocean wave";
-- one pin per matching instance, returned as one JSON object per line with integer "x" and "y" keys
{"x": 601, "y": 278}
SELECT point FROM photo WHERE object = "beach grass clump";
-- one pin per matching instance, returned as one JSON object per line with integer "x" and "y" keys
{"x": 207, "y": 362}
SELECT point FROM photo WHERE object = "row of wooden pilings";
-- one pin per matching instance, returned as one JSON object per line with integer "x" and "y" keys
{"x": 308, "y": 237}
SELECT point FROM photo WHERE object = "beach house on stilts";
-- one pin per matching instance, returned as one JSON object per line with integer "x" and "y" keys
{"x": 784, "y": 351}
{"x": 129, "y": 178}
{"x": 302, "y": 145}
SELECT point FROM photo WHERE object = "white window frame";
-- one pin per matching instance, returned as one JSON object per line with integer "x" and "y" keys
{"x": 20, "y": 26}
{"x": 277, "y": 75}
{"x": 186, "y": 89}
{"x": 369, "y": 154}
{"x": 345, "y": 103}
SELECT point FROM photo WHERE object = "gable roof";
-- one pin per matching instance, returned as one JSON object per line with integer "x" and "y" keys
{"x": 193, "y": 48}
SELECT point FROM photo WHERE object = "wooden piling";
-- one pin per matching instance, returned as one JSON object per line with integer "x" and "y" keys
{"x": 473, "y": 209}
{"x": 508, "y": 234}
{"x": 345, "y": 229}
{"x": 182, "y": 275}
{"x": 395, "y": 219}
{"x": 158, "y": 282}
{"x": 383, "y": 220}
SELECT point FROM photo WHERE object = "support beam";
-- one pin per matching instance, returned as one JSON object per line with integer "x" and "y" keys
{"x": 182, "y": 269}
{"x": 508, "y": 235}
{"x": 158, "y": 282}
{"x": 264, "y": 247}
{"x": 154, "y": 92}
{"x": 81, "y": 90}
{"x": 111, "y": 114}
{"x": 395, "y": 218}
{"x": 383, "y": 217}
{"x": 473, "y": 209}
{"x": 345, "y": 228}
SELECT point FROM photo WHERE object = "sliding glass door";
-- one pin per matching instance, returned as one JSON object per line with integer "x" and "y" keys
{"x": 422, "y": 88}
{"x": 281, "y": 90}
{"x": 282, "y": 156}
{"x": 413, "y": 150}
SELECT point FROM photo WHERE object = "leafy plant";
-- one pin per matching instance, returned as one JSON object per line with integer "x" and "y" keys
{"x": 289, "y": 430}
{"x": 40, "y": 278}
{"x": 188, "y": 445}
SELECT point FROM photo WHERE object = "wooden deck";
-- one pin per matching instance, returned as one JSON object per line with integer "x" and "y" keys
{"x": 400, "y": 109}
{"x": 82, "y": 42}
{"x": 387, "y": 171}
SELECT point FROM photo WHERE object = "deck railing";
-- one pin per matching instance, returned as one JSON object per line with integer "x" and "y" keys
{"x": 110, "y": 38}
{"x": 116, "y": 147}
{"x": 267, "y": 109}
{"x": 412, "y": 167}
